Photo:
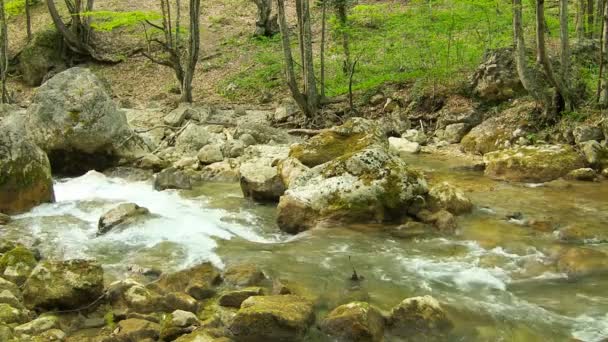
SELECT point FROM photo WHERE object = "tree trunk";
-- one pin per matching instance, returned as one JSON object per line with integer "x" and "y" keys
{"x": 528, "y": 80}
{"x": 565, "y": 54}
{"x": 343, "y": 18}
{"x": 266, "y": 23}
{"x": 590, "y": 15}
{"x": 323, "y": 29}
{"x": 603, "y": 96}
{"x": 3, "y": 53}
{"x": 580, "y": 19}
{"x": 310, "y": 84}
{"x": 28, "y": 20}
{"x": 193, "y": 49}
{"x": 289, "y": 63}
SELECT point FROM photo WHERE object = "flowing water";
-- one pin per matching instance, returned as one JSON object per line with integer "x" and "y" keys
{"x": 496, "y": 278}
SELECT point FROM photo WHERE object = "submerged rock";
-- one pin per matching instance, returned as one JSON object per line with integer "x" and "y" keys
{"x": 198, "y": 281}
{"x": 447, "y": 196}
{"x": 534, "y": 164}
{"x": 580, "y": 262}
{"x": 123, "y": 214}
{"x": 63, "y": 285}
{"x": 419, "y": 318}
{"x": 4, "y": 219}
{"x": 25, "y": 171}
{"x": 272, "y": 319}
{"x": 243, "y": 275}
{"x": 172, "y": 178}
{"x": 356, "y": 322}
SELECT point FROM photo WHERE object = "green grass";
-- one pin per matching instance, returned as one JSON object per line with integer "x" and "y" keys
{"x": 109, "y": 20}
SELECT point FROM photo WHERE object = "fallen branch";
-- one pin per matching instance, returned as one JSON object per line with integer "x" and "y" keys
{"x": 304, "y": 131}
{"x": 155, "y": 127}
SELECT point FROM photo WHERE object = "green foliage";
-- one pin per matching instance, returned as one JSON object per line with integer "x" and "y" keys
{"x": 110, "y": 20}
{"x": 16, "y": 7}
{"x": 264, "y": 74}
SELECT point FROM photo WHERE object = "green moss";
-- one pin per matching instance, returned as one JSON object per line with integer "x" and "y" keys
{"x": 74, "y": 115}
{"x": 17, "y": 256}
{"x": 328, "y": 146}
{"x": 109, "y": 319}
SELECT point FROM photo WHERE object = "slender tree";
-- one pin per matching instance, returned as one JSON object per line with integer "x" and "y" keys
{"x": 603, "y": 83}
{"x": 580, "y": 19}
{"x": 308, "y": 98}
{"x": 341, "y": 7}
{"x": 173, "y": 54}
{"x": 590, "y": 18}
{"x": 3, "y": 53}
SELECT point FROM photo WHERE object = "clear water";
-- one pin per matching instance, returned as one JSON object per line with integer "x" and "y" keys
{"x": 495, "y": 278}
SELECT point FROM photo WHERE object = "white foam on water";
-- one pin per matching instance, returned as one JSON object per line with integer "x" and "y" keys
{"x": 591, "y": 329}
{"x": 183, "y": 221}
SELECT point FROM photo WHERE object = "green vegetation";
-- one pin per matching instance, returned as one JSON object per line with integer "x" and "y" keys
{"x": 110, "y": 20}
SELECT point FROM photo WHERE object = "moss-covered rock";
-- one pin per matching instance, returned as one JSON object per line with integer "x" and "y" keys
{"x": 198, "y": 336}
{"x": 135, "y": 330}
{"x": 6, "y": 285}
{"x": 63, "y": 285}
{"x": 235, "y": 298}
{"x": 198, "y": 281}
{"x": 40, "y": 56}
{"x": 246, "y": 274}
{"x": 447, "y": 196}
{"x": 25, "y": 170}
{"x": 585, "y": 174}
{"x": 11, "y": 315}
{"x": 366, "y": 186}
{"x": 176, "y": 324}
{"x": 532, "y": 163}
{"x": 496, "y": 132}
{"x": 356, "y": 322}
{"x": 353, "y": 136}
{"x": 38, "y": 326}
{"x": 17, "y": 264}
{"x": 419, "y": 319}
{"x": 272, "y": 318}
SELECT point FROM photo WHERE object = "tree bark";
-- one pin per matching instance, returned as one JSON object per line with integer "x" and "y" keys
{"x": 290, "y": 74}
{"x": 323, "y": 29}
{"x": 193, "y": 49}
{"x": 580, "y": 19}
{"x": 28, "y": 20}
{"x": 565, "y": 55}
{"x": 3, "y": 53}
{"x": 310, "y": 84}
{"x": 343, "y": 18}
{"x": 526, "y": 76}
{"x": 590, "y": 20}
{"x": 603, "y": 96}
{"x": 266, "y": 23}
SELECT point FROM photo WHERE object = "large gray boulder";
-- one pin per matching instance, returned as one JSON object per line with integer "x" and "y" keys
{"x": 359, "y": 182}
{"x": 41, "y": 56}
{"x": 123, "y": 214}
{"x": 25, "y": 171}
{"x": 496, "y": 78}
{"x": 261, "y": 181}
{"x": 72, "y": 114}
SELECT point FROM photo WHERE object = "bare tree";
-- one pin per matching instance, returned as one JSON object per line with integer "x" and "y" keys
{"x": 266, "y": 23}
{"x": 590, "y": 20}
{"x": 580, "y": 19}
{"x": 341, "y": 7}
{"x": 308, "y": 98}
{"x": 173, "y": 54}
{"x": 28, "y": 19}
{"x": 77, "y": 34}
{"x": 3, "y": 53}
{"x": 603, "y": 82}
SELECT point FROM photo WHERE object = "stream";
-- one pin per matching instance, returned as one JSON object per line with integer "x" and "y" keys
{"x": 494, "y": 277}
